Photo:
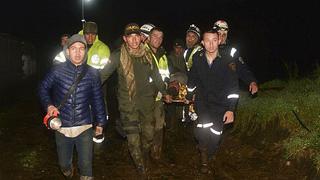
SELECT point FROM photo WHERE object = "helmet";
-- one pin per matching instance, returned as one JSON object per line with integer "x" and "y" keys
{"x": 193, "y": 28}
{"x": 90, "y": 27}
{"x": 146, "y": 28}
{"x": 221, "y": 25}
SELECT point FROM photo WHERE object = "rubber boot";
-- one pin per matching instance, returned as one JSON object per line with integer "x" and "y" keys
{"x": 204, "y": 161}
{"x": 140, "y": 166}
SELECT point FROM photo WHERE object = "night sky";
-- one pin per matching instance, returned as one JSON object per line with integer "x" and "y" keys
{"x": 266, "y": 32}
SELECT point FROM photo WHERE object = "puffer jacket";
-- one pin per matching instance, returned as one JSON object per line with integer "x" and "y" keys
{"x": 86, "y": 97}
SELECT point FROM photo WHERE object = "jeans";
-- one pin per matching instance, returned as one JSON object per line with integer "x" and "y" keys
{"x": 84, "y": 147}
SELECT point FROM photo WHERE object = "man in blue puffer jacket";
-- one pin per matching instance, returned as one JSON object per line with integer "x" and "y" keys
{"x": 83, "y": 108}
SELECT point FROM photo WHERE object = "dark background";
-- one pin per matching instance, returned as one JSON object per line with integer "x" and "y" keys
{"x": 268, "y": 33}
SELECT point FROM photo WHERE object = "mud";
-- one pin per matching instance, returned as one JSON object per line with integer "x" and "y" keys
{"x": 28, "y": 151}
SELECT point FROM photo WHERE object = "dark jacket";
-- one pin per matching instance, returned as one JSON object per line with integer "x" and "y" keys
{"x": 242, "y": 69}
{"x": 216, "y": 84}
{"x": 84, "y": 105}
{"x": 176, "y": 63}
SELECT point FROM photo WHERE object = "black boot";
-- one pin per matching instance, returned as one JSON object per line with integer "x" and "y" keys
{"x": 204, "y": 161}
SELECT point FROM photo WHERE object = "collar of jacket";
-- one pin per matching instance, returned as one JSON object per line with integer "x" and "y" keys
{"x": 74, "y": 67}
{"x": 160, "y": 51}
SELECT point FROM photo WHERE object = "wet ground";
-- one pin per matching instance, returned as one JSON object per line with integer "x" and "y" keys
{"x": 27, "y": 151}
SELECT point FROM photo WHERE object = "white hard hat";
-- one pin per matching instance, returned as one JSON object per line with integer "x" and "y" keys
{"x": 221, "y": 24}
{"x": 193, "y": 28}
{"x": 146, "y": 28}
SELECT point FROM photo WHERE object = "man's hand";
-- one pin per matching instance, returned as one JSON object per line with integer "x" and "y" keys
{"x": 51, "y": 110}
{"x": 228, "y": 117}
{"x": 167, "y": 98}
{"x": 99, "y": 130}
{"x": 253, "y": 87}
{"x": 186, "y": 101}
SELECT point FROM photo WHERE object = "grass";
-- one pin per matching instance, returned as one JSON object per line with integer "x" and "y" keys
{"x": 276, "y": 101}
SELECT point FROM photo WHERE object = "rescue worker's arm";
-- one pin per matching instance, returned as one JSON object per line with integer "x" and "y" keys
{"x": 176, "y": 64}
{"x": 192, "y": 82}
{"x": 232, "y": 94}
{"x": 171, "y": 67}
{"x": 245, "y": 74}
{"x": 97, "y": 102}
{"x": 44, "y": 92}
{"x": 161, "y": 86}
{"x": 110, "y": 67}
{"x": 104, "y": 53}
{"x": 232, "y": 87}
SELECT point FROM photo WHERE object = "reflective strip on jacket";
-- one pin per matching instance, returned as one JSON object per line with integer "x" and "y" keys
{"x": 98, "y": 54}
{"x": 189, "y": 60}
{"x": 163, "y": 68}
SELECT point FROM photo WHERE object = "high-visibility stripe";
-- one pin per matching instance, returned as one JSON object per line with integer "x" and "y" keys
{"x": 233, "y": 50}
{"x": 185, "y": 54}
{"x": 164, "y": 73}
{"x": 104, "y": 61}
{"x": 60, "y": 57}
{"x": 162, "y": 65}
{"x": 189, "y": 61}
{"x": 191, "y": 89}
{"x": 96, "y": 62}
{"x": 96, "y": 66}
{"x": 159, "y": 96}
{"x": 215, "y": 132}
{"x": 204, "y": 125}
{"x": 193, "y": 116}
{"x": 233, "y": 96}
{"x": 183, "y": 116}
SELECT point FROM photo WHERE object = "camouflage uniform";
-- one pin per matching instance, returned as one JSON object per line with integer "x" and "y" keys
{"x": 137, "y": 114}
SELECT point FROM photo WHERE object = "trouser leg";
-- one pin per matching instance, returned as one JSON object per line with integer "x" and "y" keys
{"x": 170, "y": 116}
{"x": 134, "y": 146}
{"x": 208, "y": 137}
{"x": 84, "y": 147}
{"x": 133, "y": 131}
{"x": 202, "y": 136}
{"x": 159, "y": 115}
{"x": 65, "y": 147}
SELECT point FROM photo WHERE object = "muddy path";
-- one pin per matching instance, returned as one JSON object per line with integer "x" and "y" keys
{"x": 27, "y": 151}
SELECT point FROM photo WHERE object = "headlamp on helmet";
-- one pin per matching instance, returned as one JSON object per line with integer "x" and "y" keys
{"x": 221, "y": 25}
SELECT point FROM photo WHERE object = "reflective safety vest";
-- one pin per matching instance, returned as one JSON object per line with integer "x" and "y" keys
{"x": 98, "y": 54}
{"x": 163, "y": 67}
{"x": 189, "y": 60}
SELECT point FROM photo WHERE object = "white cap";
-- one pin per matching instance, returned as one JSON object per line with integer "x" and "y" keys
{"x": 146, "y": 28}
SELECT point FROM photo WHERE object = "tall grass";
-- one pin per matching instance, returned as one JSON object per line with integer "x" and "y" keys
{"x": 276, "y": 101}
